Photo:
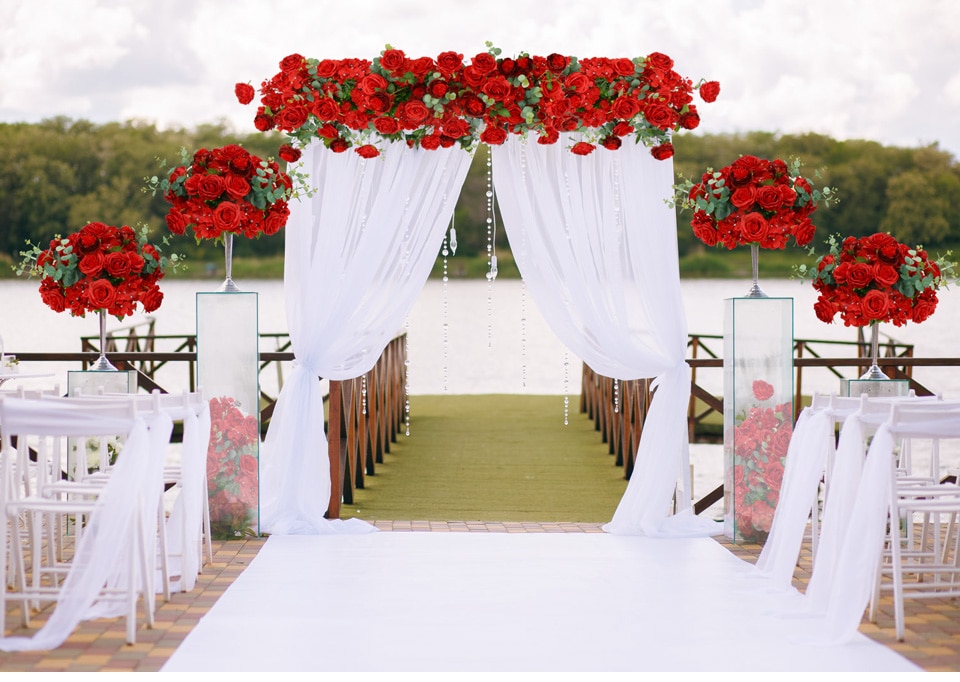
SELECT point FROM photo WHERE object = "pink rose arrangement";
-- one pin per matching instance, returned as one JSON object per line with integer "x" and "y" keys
{"x": 753, "y": 201}
{"x": 762, "y": 437}
{"x": 232, "y": 469}
{"x": 875, "y": 279}
{"x": 439, "y": 102}
{"x": 99, "y": 268}
{"x": 227, "y": 190}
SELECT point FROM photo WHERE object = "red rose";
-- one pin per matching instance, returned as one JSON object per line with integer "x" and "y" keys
{"x": 662, "y": 152}
{"x": 557, "y": 62}
{"x": 430, "y": 142}
{"x": 885, "y": 274}
{"x": 743, "y": 197}
{"x": 923, "y": 308}
{"x": 52, "y": 296}
{"x": 339, "y": 145}
{"x": 769, "y": 198}
{"x": 549, "y": 136}
{"x": 176, "y": 222}
{"x": 291, "y": 117}
{"x": 393, "y": 60}
{"x": 91, "y": 264}
{"x": 368, "y": 151}
{"x": 226, "y": 216}
{"x": 709, "y": 91}
{"x": 611, "y": 142}
{"x": 625, "y": 107}
{"x": 371, "y": 83}
{"x": 291, "y": 63}
{"x": 101, "y": 294}
{"x": 754, "y": 227}
{"x": 660, "y": 61}
{"x": 210, "y": 187}
{"x": 493, "y": 135}
{"x": 386, "y": 125}
{"x": 497, "y": 88}
{"x": 825, "y": 309}
{"x": 236, "y": 187}
{"x": 151, "y": 299}
{"x": 582, "y": 148}
{"x": 803, "y": 232}
{"x": 289, "y": 154}
{"x": 859, "y": 275}
{"x": 875, "y": 305}
{"x": 262, "y": 121}
{"x": 413, "y": 114}
{"x": 690, "y": 120}
{"x": 244, "y": 92}
{"x": 449, "y": 62}
{"x": 116, "y": 264}
{"x": 484, "y": 63}
{"x": 624, "y": 66}
{"x": 661, "y": 116}
{"x": 473, "y": 105}
{"x": 762, "y": 390}
{"x": 276, "y": 219}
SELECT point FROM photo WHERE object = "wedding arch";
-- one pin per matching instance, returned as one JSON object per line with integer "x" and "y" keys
{"x": 586, "y": 215}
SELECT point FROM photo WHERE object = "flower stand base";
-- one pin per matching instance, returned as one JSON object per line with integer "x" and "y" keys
{"x": 757, "y": 412}
{"x": 889, "y": 388}
{"x": 228, "y": 363}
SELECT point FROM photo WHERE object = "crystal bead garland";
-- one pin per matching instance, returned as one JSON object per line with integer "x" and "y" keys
{"x": 491, "y": 249}
{"x": 444, "y": 320}
{"x": 363, "y": 394}
{"x": 406, "y": 377}
{"x": 616, "y": 396}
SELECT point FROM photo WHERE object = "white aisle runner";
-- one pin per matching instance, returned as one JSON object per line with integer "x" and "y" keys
{"x": 401, "y": 601}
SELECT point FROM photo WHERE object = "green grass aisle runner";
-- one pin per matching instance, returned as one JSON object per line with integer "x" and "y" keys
{"x": 493, "y": 458}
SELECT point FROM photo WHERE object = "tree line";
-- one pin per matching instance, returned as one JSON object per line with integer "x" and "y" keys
{"x": 59, "y": 174}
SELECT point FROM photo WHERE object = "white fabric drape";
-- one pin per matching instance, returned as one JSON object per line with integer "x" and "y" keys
{"x": 357, "y": 255}
{"x": 596, "y": 245}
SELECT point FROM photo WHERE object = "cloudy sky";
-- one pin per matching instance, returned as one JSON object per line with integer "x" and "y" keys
{"x": 885, "y": 70}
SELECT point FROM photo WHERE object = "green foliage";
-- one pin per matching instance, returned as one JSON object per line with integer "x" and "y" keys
{"x": 57, "y": 175}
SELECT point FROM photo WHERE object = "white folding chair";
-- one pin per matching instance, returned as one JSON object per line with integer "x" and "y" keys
{"x": 925, "y": 564}
{"x": 111, "y": 560}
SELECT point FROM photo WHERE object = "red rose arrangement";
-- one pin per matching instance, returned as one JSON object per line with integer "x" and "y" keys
{"x": 432, "y": 103}
{"x": 99, "y": 268}
{"x": 232, "y": 469}
{"x": 762, "y": 436}
{"x": 227, "y": 190}
{"x": 753, "y": 201}
{"x": 877, "y": 279}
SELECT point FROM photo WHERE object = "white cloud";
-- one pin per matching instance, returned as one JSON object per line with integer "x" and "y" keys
{"x": 875, "y": 69}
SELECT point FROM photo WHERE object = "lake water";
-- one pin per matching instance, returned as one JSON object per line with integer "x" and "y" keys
{"x": 477, "y": 337}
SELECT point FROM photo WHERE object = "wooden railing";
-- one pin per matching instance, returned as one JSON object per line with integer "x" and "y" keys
{"x": 365, "y": 415}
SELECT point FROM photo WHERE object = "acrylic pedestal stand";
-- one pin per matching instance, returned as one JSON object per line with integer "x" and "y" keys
{"x": 228, "y": 360}
{"x": 757, "y": 411}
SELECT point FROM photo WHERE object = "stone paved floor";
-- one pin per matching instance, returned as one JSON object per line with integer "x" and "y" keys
{"x": 932, "y": 638}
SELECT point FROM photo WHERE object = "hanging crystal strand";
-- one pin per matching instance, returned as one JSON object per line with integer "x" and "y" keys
{"x": 363, "y": 394}
{"x": 406, "y": 377}
{"x": 566, "y": 388}
{"x": 523, "y": 334}
{"x": 491, "y": 248}
{"x": 616, "y": 396}
{"x": 446, "y": 326}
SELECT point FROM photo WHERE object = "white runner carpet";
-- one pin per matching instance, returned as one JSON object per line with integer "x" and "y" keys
{"x": 401, "y": 601}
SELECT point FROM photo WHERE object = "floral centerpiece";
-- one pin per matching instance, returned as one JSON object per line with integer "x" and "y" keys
{"x": 232, "y": 469}
{"x": 762, "y": 438}
{"x": 874, "y": 279}
{"x": 441, "y": 102}
{"x": 227, "y": 191}
{"x": 755, "y": 202}
{"x": 100, "y": 269}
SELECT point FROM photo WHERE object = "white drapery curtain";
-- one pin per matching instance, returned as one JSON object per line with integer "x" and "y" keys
{"x": 596, "y": 244}
{"x": 357, "y": 255}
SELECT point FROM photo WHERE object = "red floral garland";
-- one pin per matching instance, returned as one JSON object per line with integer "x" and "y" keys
{"x": 752, "y": 201}
{"x": 877, "y": 279}
{"x": 441, "y": 102}
{"x": 228, "y": 189}
{"x": 100, "y": 267}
